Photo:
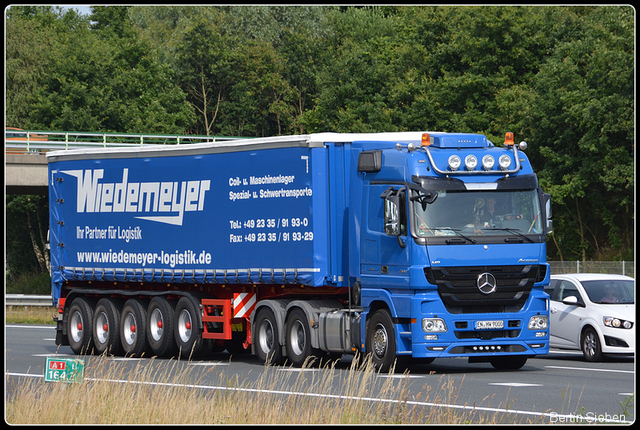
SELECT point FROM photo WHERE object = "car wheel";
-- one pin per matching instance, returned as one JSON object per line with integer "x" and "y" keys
{"x": 591, "y": 345}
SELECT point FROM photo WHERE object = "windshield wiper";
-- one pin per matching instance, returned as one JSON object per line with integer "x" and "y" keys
{"x": 456, "y": 231}
{"x": 512, "y": 230}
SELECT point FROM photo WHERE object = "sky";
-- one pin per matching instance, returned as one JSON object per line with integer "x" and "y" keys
{"x": 83, "y": 9}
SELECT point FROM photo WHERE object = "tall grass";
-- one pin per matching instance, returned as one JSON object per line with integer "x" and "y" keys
{"x": 30, "y": 314}
{"x": 174, "y": 393}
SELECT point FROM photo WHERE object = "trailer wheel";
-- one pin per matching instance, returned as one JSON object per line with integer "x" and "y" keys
{"x": 298, "y": 338}
{"x": 106, "y": 327}
{"x": 381, "y": 340}
{"x": 79, "y": 328}
{"x": 133, "y": 333}
{"x": 266, "y": 334}
{"x": 187, "y": 334}
{"x": 160, "y": 324}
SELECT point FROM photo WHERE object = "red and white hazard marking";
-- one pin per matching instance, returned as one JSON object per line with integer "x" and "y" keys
{"x": 243, "y": 304}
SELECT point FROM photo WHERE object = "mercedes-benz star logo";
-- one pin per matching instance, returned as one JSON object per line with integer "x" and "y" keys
{"x": 486, "y": 283}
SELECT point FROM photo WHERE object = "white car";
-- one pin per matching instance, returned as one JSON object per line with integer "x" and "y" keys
{"x": 594, "y": 313}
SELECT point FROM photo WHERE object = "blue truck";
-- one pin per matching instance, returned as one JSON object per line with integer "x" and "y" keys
{"x": 409, "y": 245}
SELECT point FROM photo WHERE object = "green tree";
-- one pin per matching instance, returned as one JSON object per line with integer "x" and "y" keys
{"x": 580, "y": 118}
{"x": 102, "y": 77}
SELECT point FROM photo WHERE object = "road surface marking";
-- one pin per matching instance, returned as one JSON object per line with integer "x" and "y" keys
{"x": 589, "y": 369}
{"x": 515, "y": 384}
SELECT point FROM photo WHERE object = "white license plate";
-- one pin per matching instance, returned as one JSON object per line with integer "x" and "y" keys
{"x": 489, "y": 324}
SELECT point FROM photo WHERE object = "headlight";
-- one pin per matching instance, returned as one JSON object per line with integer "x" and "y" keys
{"x": 454, "y": 162}
{"x": 487, "y": 162}
{"x": 470, "y": 162}
{"x": 504, "y": 161}
{"x": 617, "y": 323}
{"x": 538, "y": 322}
{"x": 433, "y": 325}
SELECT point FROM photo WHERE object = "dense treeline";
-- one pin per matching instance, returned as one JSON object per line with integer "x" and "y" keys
{"x": 560, "y": 78}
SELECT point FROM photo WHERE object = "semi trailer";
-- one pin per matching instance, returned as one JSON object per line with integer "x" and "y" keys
{"x": 408, "y": 245}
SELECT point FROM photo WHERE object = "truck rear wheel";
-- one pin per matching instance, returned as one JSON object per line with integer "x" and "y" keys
{"x": 298, "y": 338}
{"x": 381, "y": 340}
{"x": 106, "y": 327}
{"x": 187, "y": 334}
{"x": 79, "y": 328}
{"x": 267, "y": 345}
{"x": 160, "y": 325}
{"x": 133, "y": 333}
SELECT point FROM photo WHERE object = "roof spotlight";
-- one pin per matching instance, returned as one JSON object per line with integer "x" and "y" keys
{"x": 470, "y": 162}
{"x": 454, "y": 162}
{"x": 504, "y": 161}
{"x": 487, "y": 162}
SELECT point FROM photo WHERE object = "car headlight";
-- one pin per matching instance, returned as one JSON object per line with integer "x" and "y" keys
{"x": 538, "y": 322}
{"x": 433, "y": 325}
{"x": 617, "y": 323}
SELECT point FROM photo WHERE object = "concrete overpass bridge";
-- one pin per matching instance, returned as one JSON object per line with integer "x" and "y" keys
{"x": 25, "y": 152}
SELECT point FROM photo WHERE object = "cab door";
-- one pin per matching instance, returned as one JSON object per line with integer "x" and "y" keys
{"x": 385, "y": 254}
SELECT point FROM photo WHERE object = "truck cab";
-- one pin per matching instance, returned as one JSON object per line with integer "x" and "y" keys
{"x": 453, "y": 256}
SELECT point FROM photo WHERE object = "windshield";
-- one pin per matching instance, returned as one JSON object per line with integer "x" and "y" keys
{"x": 480, "y": 213}
{"x": 610, "y": 291}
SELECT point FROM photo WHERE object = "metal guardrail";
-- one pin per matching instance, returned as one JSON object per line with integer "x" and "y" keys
{"x": 43, "y": 141}
{"x": 27, "y": 300}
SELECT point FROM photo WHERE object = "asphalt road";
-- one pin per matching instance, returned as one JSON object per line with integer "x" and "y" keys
{"x": 557, "y": 388}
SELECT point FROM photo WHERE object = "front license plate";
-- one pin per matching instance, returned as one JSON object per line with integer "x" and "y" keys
{"x": 489, "y": 324}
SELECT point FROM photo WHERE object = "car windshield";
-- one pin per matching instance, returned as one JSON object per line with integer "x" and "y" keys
{"x": 480, "y": 213}
{"x": 608, "y": 291}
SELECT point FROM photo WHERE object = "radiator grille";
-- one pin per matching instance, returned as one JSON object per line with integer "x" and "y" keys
{"x": 459, "y": 291}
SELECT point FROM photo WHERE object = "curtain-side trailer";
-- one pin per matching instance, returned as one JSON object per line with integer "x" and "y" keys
{"x": 400, "y": 245}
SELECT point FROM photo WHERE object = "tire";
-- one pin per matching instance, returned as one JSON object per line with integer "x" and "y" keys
{"x": 106, "y": 327}
{"x": 508, "y": 362}
{"x": 79, "y": 330}
{"x": 160, "y": 327}
{"x": 590, "y": 345}
{"x": 381, "y": 340}
{"x": 187, "y": 334}
{"x": 298, "y": 338}
{"x": 133, "y": 328}
{"x": 267, "y": 335}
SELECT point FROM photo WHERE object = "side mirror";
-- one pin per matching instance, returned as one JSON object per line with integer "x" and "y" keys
{"x": 392, "y": 215}
{"x": 571, "y": 301}
{"x": 547, "y": 203}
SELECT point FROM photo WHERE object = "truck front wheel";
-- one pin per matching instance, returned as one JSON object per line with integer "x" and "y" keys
{"x": 160, "y": 325}
{"x": 79, "y": 327}
{"x": 508, "y": 362}
{"x": 106, "y": 327}
{"x": 381, "y": 340}
{"x": 266, "y": 334}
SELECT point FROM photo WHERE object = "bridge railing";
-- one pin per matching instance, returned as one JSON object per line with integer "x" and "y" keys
{"x": 43, "y": 141}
